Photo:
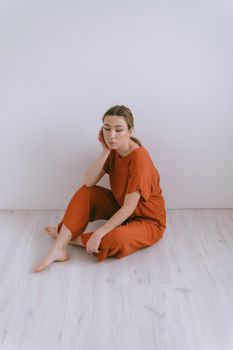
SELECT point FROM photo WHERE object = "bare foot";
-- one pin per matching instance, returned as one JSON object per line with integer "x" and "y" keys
{"x": 53, "y": 255}
{"x": 52, "y": 231}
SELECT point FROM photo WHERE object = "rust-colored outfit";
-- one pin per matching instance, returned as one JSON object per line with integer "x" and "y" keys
{"x": 134, "y": 172}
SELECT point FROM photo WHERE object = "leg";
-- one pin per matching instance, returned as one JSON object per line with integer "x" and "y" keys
{"x": 52, "y": 231}
{"x": 87, "y": 205}
{"x": 127, "y": 239}
{"x": 58, "y": 251}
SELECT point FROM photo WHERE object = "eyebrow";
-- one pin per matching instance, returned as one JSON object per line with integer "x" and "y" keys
{"x": 115, "y": 125}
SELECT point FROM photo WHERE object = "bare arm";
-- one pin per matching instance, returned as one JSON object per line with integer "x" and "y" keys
{"x": 129, "y": 205}
{"x": 96, "y": 172}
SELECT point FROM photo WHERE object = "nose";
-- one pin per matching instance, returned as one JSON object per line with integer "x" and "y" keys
{"x": 112, "y": 134}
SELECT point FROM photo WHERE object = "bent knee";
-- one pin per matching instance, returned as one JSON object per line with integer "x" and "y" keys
{"x": 89, "y": 188}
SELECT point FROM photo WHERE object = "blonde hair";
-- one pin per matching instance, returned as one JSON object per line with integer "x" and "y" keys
{"x": 124, "y": 112}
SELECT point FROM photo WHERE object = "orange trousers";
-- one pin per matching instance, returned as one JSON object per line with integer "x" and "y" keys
{"x": 98, "y": 203}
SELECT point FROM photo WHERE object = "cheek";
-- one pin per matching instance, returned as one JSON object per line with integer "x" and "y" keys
{"x": 123, "y": 134}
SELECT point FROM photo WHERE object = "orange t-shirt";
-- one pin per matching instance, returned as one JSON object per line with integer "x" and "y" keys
{"x": 136, "y": 172}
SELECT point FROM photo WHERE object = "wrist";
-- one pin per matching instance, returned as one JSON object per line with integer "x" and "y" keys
{"x": 99, "y": 233}
{"x": 106, "y": 151}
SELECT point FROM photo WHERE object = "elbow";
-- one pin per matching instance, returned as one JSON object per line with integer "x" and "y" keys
{"x": 87, "y": 184}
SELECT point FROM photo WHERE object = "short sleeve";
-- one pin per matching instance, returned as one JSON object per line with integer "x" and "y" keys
{"x": 140, "y": 178}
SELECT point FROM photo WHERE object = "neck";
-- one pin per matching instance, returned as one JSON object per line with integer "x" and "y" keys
{"x": 129, "y": 148}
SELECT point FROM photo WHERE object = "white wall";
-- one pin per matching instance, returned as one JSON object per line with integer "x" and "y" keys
{"x": 64, "y": 63}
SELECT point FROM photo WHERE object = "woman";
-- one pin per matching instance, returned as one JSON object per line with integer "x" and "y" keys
{"x": 134, "y": 207}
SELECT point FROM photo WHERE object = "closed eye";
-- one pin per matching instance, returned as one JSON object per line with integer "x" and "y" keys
{"x": 116, "y": 130}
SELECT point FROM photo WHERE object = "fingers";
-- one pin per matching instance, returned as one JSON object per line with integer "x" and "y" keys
{"x": 92, "y": 245}
{"x": 92, "y": 252}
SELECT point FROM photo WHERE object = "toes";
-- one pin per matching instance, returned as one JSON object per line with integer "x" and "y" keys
{"x": 40, "y": 267}
{"x": 48, "y": 229}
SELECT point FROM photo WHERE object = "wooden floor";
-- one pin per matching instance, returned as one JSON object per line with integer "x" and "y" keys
{"x": 177, "y": 294}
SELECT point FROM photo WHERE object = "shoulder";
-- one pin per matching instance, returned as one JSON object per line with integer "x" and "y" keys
{"x": 140, "y": 158}
{"x": 142, "y": 163}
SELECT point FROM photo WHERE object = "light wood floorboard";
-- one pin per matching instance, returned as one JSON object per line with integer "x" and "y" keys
{"x": 175, "y": 295}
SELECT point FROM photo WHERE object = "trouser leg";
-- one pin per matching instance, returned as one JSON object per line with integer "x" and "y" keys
{"x": 126, "y": 239}
{"x": 88, "y": 204}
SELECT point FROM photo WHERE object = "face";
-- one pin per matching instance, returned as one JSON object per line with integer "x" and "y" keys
{"x": 116, "y": 133}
